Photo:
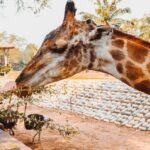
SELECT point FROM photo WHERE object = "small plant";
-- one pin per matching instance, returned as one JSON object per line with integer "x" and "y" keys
{"x": 8, "y": 119}
{"x": 67, "y": 131}
{"x": 5, "y": 69}
{"x": 10, "y": 115}
{"x": 35, "y": 122}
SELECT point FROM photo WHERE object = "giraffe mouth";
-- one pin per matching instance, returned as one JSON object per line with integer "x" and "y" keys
{"x": 24, "y": 79}
{"x": 24, "y": 87}
{"x": 32, "y": 80}
{"x": 35, "y": 78}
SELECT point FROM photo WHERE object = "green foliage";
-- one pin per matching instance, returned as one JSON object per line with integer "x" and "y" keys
{"x": 11, "y": 112}
{"x": 106, "y": 12}
{"x": 17, "y": 41}
{"x": 30, "y": 50}
{"x": 67, "y": 131}
{"x": 34, "y": 5}
{"x": 8, "y": 114}
{"x": 138, "y": 27}
{"x": 23, "y": 51}
{"x": 5, "y": 69}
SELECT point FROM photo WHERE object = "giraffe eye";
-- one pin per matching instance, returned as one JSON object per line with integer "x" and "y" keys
{"x": 59, "y": 50}
{"x": 60, "y": 46}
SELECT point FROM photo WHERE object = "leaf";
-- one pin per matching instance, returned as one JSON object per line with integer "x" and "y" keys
{"x": 105, "y": 12}
{"x": 120, "y": 11}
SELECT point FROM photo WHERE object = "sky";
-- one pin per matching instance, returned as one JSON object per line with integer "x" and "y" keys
{"x": 35, "y": 27}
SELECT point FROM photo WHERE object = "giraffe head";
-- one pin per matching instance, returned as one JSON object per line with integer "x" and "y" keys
{"x": 65, "y": 51}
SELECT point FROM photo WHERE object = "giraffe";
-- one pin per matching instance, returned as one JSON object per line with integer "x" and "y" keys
{"x": 78, "y": 45}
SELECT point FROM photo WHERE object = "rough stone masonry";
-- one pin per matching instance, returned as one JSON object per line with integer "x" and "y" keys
{"x": 109, "y": 100}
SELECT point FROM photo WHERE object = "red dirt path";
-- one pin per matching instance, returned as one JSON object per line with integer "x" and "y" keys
{"x": 94, "y": 134}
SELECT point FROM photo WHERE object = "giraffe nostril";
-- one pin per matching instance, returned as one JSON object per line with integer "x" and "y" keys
{"x": 20, "y": 78}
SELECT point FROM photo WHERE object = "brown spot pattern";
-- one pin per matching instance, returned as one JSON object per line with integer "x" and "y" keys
{"x": 129, "y": 37}
{"x": 96, "y": 37}
{"x": 143, "y": 86}
{"x": 117, "y": 54}
{"x": 73, "y": 51}
{"x": 90, "y": 66}
{"x": 92, "y": 56}
{"x": 118, "y": 43}
{"x": 148, "y": 67}
{"x": 125, "y": 81}
{"x": 120, "y": 68}
{"x": 73, "y": 63}
{"x": 102, "y": 62}
{"x": 133, "y": 72}
{"x": 92, "y": 59}
{"x": 137, "y": 52}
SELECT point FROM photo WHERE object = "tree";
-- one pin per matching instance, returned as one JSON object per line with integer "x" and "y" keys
{"x": 29, "y": 52}
{"x": 138, "y": 27}
{"x": 12, "y": 39}
{"x": 107, "y": 13}
{"x": 14, "y": 54}
{"x": 34, "y": 5}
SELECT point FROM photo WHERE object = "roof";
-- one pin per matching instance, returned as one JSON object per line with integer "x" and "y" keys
{"x": 6, "y": 46}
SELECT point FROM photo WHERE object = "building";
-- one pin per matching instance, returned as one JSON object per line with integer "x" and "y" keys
{"x": 5, "y": 48}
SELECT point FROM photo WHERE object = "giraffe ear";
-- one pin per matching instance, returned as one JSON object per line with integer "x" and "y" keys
{"x": 70, "y": 11}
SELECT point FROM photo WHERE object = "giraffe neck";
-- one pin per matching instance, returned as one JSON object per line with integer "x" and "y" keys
{"x": 125, "y": 57}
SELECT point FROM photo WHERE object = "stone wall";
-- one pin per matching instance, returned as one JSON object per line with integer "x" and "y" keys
{"x": 8, "y": 142}
{"x": 110, "y": 100}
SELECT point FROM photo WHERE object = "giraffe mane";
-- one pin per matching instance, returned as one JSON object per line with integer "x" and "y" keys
{"x": 132, "y": 38}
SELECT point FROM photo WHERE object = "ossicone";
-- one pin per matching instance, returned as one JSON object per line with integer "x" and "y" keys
{"x": 70, "y": 11}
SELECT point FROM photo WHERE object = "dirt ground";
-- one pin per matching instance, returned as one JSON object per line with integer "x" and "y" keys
{"x": 94, "y": 134}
